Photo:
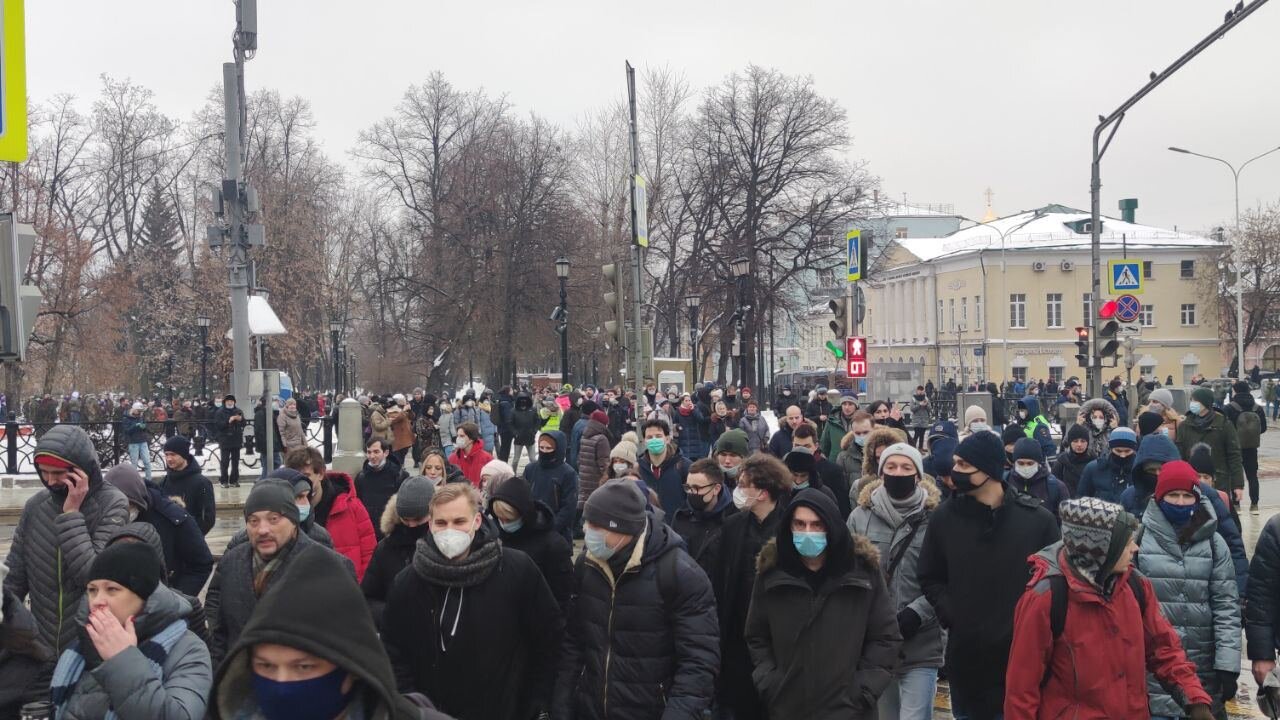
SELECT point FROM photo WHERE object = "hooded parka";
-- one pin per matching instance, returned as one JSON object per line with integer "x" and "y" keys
{"x": 555, "y": 484}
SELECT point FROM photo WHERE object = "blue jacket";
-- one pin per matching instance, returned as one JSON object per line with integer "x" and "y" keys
{"x": 668, "y": 481}
{"x": 575, "y": 440}
{"x": 135, "y": 429}
{"x": 1037, "y": 426}
{"x": 555, "y": 484}
{"x": 1227, "y": 529}
{"x": 1105, "y": 479}
{"x": 692, "y": 443}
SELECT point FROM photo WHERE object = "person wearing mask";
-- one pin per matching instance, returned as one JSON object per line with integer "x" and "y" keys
{"x": 921, "y": 417}
{"x": 662, "y": 468}
{"x": 336, "y": 507}
{"x": 61, "y": 530}
{"x": 708, "y": 503}
{"x": 1107, "y": 477}
{"x": 445, "y": 427}
{"x": 593, "y": 455}
{"x": 1153, "y": 453}
{"x": 1250, "y": 421}
{"x": 403, "y": 523}
{"x": 878, "y": 439}
{"x": 248, "y": 569}
{"x": 1205, "y": 425}
{"x": 1160, "y": 402}
{"x": 281, "y": 668}
{"x": 641, "y": 641}
{"x": 971, "y": 570}
{"x": 228, "y": 429}
{"x": 1228, "y": 527}
{"x": 823, "y": 406}
{"x": 186, "y": 554}
{"x": 1076, "y": 454}
{"x": 1119, "y": 399}
{"x": 975, "y": 420}
{"x": 469, "y": 452}
{"x": 554, "y": 483}
{"x": 524, "y": 428}
{"x": 780, "y": 443}
{"x": 493, "y": 474}
{"x": 437, "y": 469}
{"x": 838, "y": 425}
{"x": 1034, "y": 425}
{"x": 1098, "y": 418}
{"x": 821, "y": 628}
{"x": 185, "y": 484}
{"x": 379, "y": 479}
{"x": 527, "y": 525}
{"x": 136, "y": 434}
{"x": 893, "y": 513}
{"x": 730, "y": 450}
{"x": 134, "y": 656}
{"x": 289, "y": 425}
{"x": 1190, "y": 568}
{"x": 852, "y": 447}
{"x": 689, "y": 418}
{"x": 824, "y": 473}
{"x": 1093, "y": 659}
{"x": 755, "y": 426}
{"x": 472, "y": 624}
{"x": 1030, "y": 476}
{"x": 786, "y": 398}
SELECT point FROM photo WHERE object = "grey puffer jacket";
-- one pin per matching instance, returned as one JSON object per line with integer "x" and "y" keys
{"x": 51, "y": 545}
{"x": 126, "y": 682}
{"x": 1196, "y": 586}
{"x": 925, "y": 649}
{"x": 757, "y": 430}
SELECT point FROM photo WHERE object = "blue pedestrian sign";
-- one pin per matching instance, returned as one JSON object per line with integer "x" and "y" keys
{"x": 1124, "y": 276}
{"x": 1128, "y": 308}
{"x": 853, "y": 239}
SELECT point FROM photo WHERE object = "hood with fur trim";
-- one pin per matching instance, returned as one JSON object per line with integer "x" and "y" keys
{"x": 879, "y": 437}
{"x": 932, "y": 496}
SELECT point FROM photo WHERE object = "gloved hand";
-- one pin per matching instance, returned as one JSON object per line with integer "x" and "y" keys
{"x": 1229, "y": 681}
{"x": 1199, "y": 712}
{"x": 908, "y": 623}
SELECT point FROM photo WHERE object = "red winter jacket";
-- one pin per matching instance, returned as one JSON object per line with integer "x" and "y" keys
{"x": 349, "y": 525}
{"x": 473, "y": 462}
{"x": 1100, "y": 662}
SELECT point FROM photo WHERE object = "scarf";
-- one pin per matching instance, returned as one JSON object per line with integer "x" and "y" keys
{"x": 71, "y": 665}
{"x": 432, "y": 566}
{"x": 1202, "y": 422}
{"x": 896, "y": 511}
{"x": 686, "y": 412}
{"x": 263, "y": 569}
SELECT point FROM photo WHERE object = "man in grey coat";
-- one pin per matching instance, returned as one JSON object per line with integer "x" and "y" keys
{"x": 247, "y": 570}
{"x": 62, "y": 529}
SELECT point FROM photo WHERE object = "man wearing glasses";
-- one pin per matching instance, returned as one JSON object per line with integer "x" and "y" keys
{"x": 708, "y": 505}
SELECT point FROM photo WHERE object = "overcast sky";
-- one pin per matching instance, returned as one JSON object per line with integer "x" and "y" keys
{"x": 945, "y": 97}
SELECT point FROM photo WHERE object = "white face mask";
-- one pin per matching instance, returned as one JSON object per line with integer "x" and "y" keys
{"x": 463, "y": 442}
{"x": 1026, "y": 471}
{"x": 1099, "y": 423}
{"x": 451, "y": 542}
{"x": 1156, "y": 407}
{"x": 620, "y": 469}
{"x": 977, "y": 427}
{"x": 742, "y": 500}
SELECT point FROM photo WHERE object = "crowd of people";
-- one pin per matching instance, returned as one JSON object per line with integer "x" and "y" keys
{"x": 834, "y": 567}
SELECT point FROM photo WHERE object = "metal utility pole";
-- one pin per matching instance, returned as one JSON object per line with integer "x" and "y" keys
{"x": 637, "y": 252}
{"x": 1233, "y": 18}
{"x": 203, "y": 321}
{"x": 562, "y": 272}
{"x": 693, "y": 302}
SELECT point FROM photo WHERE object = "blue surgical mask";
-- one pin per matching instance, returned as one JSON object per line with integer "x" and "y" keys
{"x": 304, "y": 512}
{"x": 809, "y": 544}
{"x": 320, "y": 697}
{"x": 511, "y": 527}
{"x": 1195, "y": 408}
{"x": 656, "y": 446}
{"x": 1178, "y": 515}
{"x": 861, "y": 440}
{"x": 597, "y": 543}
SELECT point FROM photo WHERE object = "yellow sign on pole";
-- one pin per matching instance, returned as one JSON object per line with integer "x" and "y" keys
{"x": 13, "y": 83}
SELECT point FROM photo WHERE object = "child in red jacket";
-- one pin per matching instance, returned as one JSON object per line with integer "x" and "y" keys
{"x": 1109, "y": 631}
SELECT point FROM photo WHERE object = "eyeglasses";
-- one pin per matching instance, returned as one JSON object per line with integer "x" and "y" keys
{"x": 697, "y": 489}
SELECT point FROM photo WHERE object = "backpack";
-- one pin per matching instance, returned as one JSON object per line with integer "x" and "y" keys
{"x": 1059, "y": 592}
{"x": 1248, "y": 426}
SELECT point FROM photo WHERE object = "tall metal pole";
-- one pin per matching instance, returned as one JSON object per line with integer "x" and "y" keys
{"x": 564, "y": 332}
{"x": 204, "y": 363}
{"x": 693, "y": 343}
{"x": 333, "y": 341}
{"x": 637, "y": 252}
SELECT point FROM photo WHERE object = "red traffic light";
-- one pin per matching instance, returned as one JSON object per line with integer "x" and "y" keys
{"x": 1108, "y": 310}
{"x": 1082, "y": 333}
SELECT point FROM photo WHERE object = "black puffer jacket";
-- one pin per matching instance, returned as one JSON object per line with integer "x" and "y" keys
{"x": 537, "y": 537}
{"x": 26, "y": 663}
{"x": 375, "y": 487}
{"x": 524, "y": 420}
{"x": 52, "y": 550}
{"x": 1262, "y": 606}
{"x": 187, "y": 559}
{"x": 629, "y": 654}
{"x": 195, "y": 492}
{"x": 393, "y": 553}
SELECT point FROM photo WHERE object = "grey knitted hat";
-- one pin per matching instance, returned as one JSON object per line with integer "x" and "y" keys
{"x": 413, "y": 499}
{"x": 616, "y": 505}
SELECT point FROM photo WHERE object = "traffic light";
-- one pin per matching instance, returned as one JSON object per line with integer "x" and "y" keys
{"x": 615, "y": 301}
{"x": 19, "y": 303}
{"x": 839, "y": 308}
{"x": 1107, "y": 332}
{"x": 835, "y": 349}
{"x": 1084, "y": 354}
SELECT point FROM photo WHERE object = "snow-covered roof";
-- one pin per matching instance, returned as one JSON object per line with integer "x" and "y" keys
{"x": 1053, "y": 227}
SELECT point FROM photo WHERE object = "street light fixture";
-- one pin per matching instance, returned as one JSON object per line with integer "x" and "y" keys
{"x": 562, "y": 272}
{"x": 693, "y": 302}
{"x": 202, "y": 321}
{"x": 741, "y": 267}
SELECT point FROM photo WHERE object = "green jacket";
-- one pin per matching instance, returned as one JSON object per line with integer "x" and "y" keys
{"x": 832, "y": 433}
{"x": 1220, "y": 436}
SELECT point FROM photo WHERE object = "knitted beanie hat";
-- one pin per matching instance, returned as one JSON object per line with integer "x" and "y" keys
{"x": 132, "y": 565}
{"x": 1177, "y": 475}
{"x": 1149, "y": 422}
{"x": 616, "y": 505}
{"x": 1094, "y": 533}
{"x": 1123, "y": 437}
{"x": 1201, "y": 458}
{"x": 413, "y": 499}
{"x": 905, "y": 450}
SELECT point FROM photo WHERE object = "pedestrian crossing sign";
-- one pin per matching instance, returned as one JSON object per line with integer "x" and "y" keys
{"x": 1124, "y": 276}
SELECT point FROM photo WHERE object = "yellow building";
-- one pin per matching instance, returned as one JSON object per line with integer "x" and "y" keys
{"x": 1002, "y": 300}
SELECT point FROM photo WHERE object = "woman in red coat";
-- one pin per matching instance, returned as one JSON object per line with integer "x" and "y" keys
{"x": 348, "y": 522}
{"x": 469, "y": 453}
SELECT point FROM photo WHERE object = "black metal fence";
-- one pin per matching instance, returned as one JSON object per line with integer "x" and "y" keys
{"x": 21, "y": 439}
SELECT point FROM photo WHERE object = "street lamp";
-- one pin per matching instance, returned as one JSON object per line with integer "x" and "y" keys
{"x": 741, "y": 267}
{"x": 693, "y": 302}
{"x": 1235, "y": 174}
{"x": 562, "y": 272}
{"x": 202, "y": 321}
{"x": 335, "y": 330}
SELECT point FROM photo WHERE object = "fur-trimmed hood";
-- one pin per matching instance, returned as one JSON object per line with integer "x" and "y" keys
{"x": 881, "y": 436}
{"x": 932, "y": 496}
{"x": 860, "y": 549}
{"x": 843, "y": 552}
{"x": 390, "y": 518}
{"x": 1102, "y": 404}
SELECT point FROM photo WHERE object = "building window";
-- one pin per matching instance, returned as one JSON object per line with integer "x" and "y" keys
{"x": 977, "y": 309}
{"x": 1189, "y": 370}
{"x": 951, "y": 310}
{"x": 1188, "y": 313}
{"x": 1187, "y": 269}
{"x": 1147, "y": 318}
{"x": 1087, "y": 304}
{"x": 826, "y": 278}
{"x": 900, "y": 233}
{"x": 1055, "y": 374}
{"x": 964, "y": 312}
{"x": 941, "y": 326}
{"x": 1146, "y": 269}
{"x": 1018, "y": 310}
{"x": 1148, "y": 371}
{"x": 1053, "y": 309}
{"x": 1020, "y": 374}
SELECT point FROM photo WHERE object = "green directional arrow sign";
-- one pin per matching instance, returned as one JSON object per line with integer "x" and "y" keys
{"x": 835, "y": 350}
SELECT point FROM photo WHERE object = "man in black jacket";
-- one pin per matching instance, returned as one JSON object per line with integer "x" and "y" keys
{"x": 378, "y": 480}
{"x": 527, "y": 525}
{"x": 184, "y": 482}
{"x": 228, "y": 430}
{"x": 470, "y": 623}
{"x": 642, "y": 622}
{"x": 825, "y": 473}
{"x": 187, "y": 560}
{"x": 403, "y": 523}
{"x": 1249, "y": 434}
{"x": 988, "y": 529}
{"x": 708, "y": 506}
{"x": 502, "y": 414}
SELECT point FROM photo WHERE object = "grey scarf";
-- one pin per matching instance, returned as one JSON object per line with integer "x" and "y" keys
{"x": 893, "y": 511}
{"x": 470, "y": 571}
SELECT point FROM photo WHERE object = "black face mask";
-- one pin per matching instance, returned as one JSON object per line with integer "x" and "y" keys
{"x": 963, "y": 481}
{"x": 416, "y": 533}
{"x": 698, "y": 501}
{"x": 900, "y": 487}
{"x": 1121, "y": 461}
{"x": 547, "y": 460}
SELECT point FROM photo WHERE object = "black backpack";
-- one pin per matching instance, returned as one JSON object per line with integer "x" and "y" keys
{"x": 1058, "y": 592}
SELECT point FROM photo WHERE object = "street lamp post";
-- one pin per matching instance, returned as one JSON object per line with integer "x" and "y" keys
{"x": 202, "y": 321}
{"x": 741, "y": 269}
{"x": 335, "y": 330}
{"x": 1235, "y": 174}
{"x": 562, "y": 272}
{"x": 693, "y": 302}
